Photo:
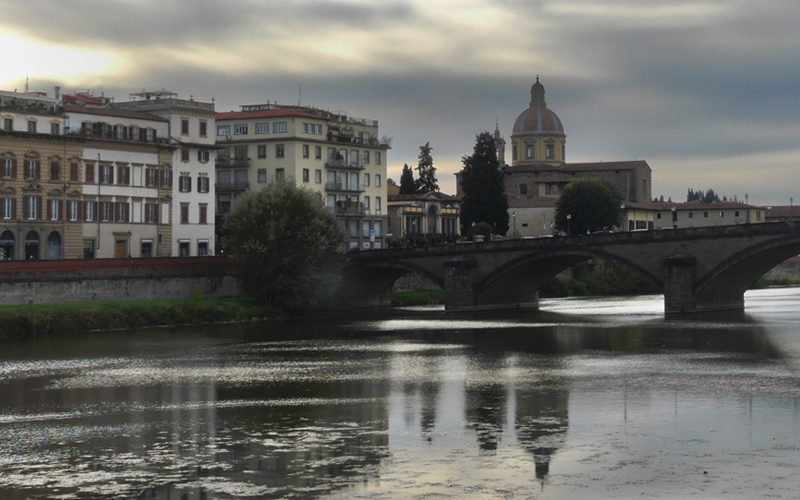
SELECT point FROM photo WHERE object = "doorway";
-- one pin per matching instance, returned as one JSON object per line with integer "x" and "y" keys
{"x": 32, "y": 246}
{"x": 54, "y": 245}
{"x": 119, "y": 249}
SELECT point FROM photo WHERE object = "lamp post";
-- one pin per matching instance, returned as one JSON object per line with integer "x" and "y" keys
{"x": 473, "y": 231}
{"x": 414, "y": 231}
{"x": 514, "y": 216}
{"x": 747, "y": 208}
{"x": 569, "y": 220}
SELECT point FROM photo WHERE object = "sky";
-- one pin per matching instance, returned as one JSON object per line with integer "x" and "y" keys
{"x": 708, "y": 92}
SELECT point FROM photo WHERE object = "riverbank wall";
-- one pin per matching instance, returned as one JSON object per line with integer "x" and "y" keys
{"x": 102, "y": 280}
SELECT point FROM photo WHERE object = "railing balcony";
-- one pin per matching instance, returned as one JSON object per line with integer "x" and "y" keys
{"x": 232, "y": 186}
{"x": 233, "y": 162}
{"x": 340, "y": 186}
{"x": 347, "y": 210}
{"x": 342, "y": 165}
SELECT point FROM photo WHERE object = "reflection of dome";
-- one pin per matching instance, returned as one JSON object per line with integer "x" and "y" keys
{"x": 537, "y": 118}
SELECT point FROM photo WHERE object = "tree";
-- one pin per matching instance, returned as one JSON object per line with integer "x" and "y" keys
{"x": 592, "y": 205}
{"x": 286, "y": 247}
{"x": 426, "y": 179}
{"x": 407, "y": 184}
{"x": 482, "y": 183}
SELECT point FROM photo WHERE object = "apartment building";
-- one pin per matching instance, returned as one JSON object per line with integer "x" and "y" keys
{"x": 339, "y": 157}
{"x": 190, "y": 203}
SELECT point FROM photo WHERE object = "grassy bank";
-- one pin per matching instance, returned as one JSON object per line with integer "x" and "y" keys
{"x": 418, "y": 298}
{"x": 79, "y": 316}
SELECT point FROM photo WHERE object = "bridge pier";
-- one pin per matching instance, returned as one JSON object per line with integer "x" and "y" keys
{"x": 459, "y": 284}
{"x": 680, "y": 296}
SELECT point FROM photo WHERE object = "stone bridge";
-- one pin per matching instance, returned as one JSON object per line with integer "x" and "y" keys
{"x": 697, "y": 269}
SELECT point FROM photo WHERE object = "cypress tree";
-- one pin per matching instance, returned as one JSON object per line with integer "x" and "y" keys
{"x": 407, "y": 184}
{"x": 482, "y": 183}
{"x": 426, "y": 179}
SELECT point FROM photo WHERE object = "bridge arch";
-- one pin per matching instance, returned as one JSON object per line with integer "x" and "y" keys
{"x": 518, "y": 280}
{"x": 370, "y": 283}
{"x": 729, "y": 280}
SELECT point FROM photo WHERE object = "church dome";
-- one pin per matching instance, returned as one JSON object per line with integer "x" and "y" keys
{"x": 538, "y": 117}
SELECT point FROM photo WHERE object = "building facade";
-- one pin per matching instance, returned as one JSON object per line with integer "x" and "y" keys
{"x": 432, "y": 215}
{"x": 646, "y": 216}
{"x": 189, "y": 202}
{"x": 341, "y": 158}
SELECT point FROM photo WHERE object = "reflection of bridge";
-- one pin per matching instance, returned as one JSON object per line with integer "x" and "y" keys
{"x": 697, "y": 269}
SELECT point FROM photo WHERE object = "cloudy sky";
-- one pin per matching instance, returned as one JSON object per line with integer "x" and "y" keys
{"x": 708, "y": 92}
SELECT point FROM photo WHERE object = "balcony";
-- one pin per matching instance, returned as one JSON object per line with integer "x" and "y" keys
{"x": 342, "y": 165}
{"x": 232, "y": 186}
{"x": 347, "y": 210}
{"x": 349, "y": 188}
{"x": 232, "y": 162}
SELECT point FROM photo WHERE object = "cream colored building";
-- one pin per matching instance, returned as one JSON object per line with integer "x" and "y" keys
{"x": 341, "y": 158}
{"x": 433, "y": 215}
{"x": 644, "y": 216}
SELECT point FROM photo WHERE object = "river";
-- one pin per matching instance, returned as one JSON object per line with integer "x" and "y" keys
{"x": 585, "y": 398}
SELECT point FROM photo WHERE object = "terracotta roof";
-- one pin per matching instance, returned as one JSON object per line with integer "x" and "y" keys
{"x": 266, "y": 113}
{"x": 73, "y": 99}
{"x": 783, "y": 211}
{"x": 580, "y": 167}
{"x": 71, "y": 108}
{"x": 538, "y": 119}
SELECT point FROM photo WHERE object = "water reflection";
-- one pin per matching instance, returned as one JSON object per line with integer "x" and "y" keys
{"x": 401, "y": 403}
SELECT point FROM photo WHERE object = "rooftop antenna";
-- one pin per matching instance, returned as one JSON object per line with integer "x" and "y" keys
{"x": 299, "y": 93}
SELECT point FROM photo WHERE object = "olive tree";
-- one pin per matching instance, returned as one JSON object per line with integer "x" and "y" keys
{"x": 286, "y": 246}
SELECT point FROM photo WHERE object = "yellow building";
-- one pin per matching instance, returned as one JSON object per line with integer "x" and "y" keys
{"x": 433, "y": 215}
{"x": 646, "y": 216}
{"x": 339, "y": 157}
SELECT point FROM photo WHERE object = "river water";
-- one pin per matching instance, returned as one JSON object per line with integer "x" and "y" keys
{"x": 586, "y": 398}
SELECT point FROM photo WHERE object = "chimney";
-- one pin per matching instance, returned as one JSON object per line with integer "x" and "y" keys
{"x": 58, "y": 92}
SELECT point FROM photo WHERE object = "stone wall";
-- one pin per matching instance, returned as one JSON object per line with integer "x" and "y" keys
{"x": 789, "y": 269}
{"x": 412, "y": 282}
{"x": 98, "y": 280}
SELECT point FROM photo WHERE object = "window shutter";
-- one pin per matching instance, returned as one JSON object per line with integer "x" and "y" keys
{"x": 13, "y": 208}
{"x": 61, "y": 210}
{"x": 14, "y": 168}
{"x": 27, "y": 169}
{"x": 25, "y": 204}
{"x": 39, "y": 208}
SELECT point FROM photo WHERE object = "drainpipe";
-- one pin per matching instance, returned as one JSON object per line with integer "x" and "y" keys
{"x": 97, "y": 207}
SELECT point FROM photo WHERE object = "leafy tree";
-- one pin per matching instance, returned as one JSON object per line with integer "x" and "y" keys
{"x": 592, "y": 204}
{"x": 286, "y": 247}
{"x": 482, "y": 183}
{"x": 426, "y": 179}
{"x": 407, "y": 184}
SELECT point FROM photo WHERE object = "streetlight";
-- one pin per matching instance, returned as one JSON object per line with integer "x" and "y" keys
{"x": 791, "y": 202}
{"x": 473, "y": 231}
{"x": 414, "y": 231}
{"x": 514, "y": 216}
{"x": 569, "y": 220}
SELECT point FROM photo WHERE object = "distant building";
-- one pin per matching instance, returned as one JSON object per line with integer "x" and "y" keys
{"x": 782, "y": 213}
{"x": 645, "y": 216}
{"x": 539, "y": 172}
{"x": 432, "y": 215}
{"x": 339, "y": 157}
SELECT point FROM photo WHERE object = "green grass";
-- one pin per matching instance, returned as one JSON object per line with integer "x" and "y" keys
{"x": 418, "y": 298}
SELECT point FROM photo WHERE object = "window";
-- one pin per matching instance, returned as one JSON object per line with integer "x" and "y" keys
{"x": 151, "y": 177}
{"x": 318, "y": 176}
{"x": 658, "y": 215}
{"x": 88, "y": 249}
{"x": 54, "y": 209}
{"x": 202, "y": 248}
{"x": 377, "y": 157}
{"x": 150, "y": 134}
{"x": 73, "y": 210}
{"x": 224, "y": 130}
{"x": 279, "y": 127}
{"x": 279, "y": 173}
{"x": 184, "y": 155}
{"x": 184, "y": 126}
{"x": 262, "y": 128}
{"x": 550, "y": 151}
{"x": 306, "y": 176}
{"x": 32, "y": 127}
{"x": 317, "y": 152}
{"x": 366, "y": 180}
{"x": 8, "y": 208}
{"x": 305, "y": 128}
{"x": 202, "y": 156}
{"x": 319, "y": 129}
{"x": 124, "y": 176}
{"x": 203, "y": 128}
{"x": 185, "y": 184}
{"x": 354, "y": 158}
{"x": 366, "y": 157}
{"x": 691, "y": 215}
{"x": 147, "y": 249}
{"x": 183, "y": 248}
{"x": 74, "y": 171}
{"x": 8, "y": 124}
{"x": 377, "y": 180}
{"x": 32, "y": 208}
{"x": 8, "y": 168}
{"x": 262, "y": 175}
{"x": 122, "y": 211}
{"x": 150, "y": 213}
{"x": 262, "y": 151}
{"x": 758, "y": 215}
{"x": 279, "y": 150}
{"x": 736, "y": 213}
{"x": 54, "y": 129}
{"x": 378, "y": 205}
{"x": 721, "y": 213}
{"x": 31, "y": 169}
{"x": 366, "y": 204}
{"x": 105, "y": 211}
{"x": 240, "y": 129}
{"x": 106, "y": 174}
{"x": 203, "y": 213}
{"x": 55, "y": 170}
{"x": 305, "y": 151}
{"x": 523, "y": 188}
{"x": 705, "y": 215}
{"x": 166, "y": 178}
{"x": 529, "y": 151}
{"x": 184, "y": 213}
{"x": 203, "y": 184}
{"x": 89, "y": 211}
{"x": 514, "y": 152}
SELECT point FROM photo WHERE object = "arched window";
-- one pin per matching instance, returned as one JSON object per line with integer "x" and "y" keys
{"x": 7, "y": 245}
{"x": 32, "y": 246}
